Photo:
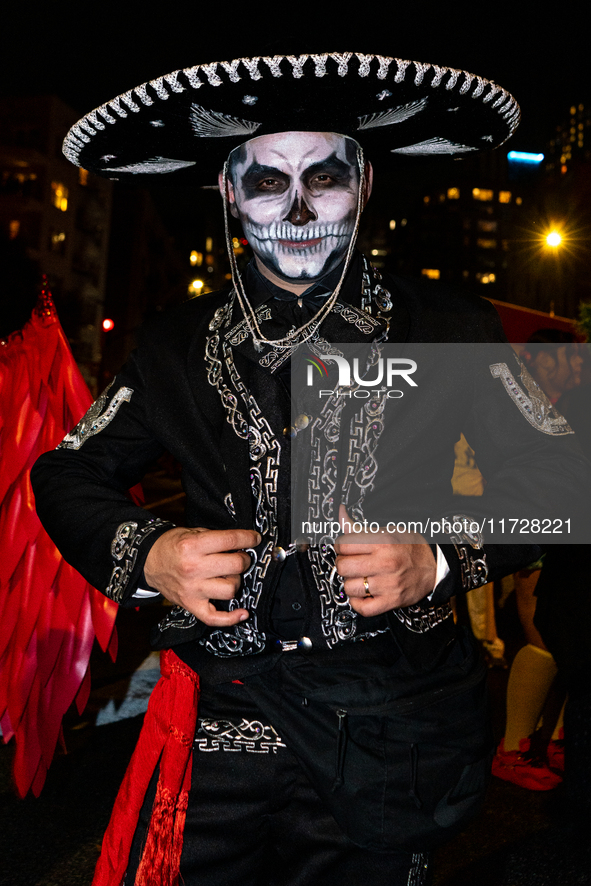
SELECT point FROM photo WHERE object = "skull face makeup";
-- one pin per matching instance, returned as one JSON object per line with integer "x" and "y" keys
{"x": 296, "y": 196}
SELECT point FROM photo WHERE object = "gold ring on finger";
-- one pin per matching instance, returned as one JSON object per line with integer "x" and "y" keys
{"x": 366, "y": 587}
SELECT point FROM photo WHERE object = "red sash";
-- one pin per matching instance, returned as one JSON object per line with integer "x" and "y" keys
{"x": 167, "y": 738}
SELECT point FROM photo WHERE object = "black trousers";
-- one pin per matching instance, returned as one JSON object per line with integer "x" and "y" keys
{"x": 255, "y": 820}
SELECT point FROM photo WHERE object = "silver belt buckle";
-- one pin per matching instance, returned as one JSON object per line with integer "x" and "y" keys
{"x": 292, "y": 645}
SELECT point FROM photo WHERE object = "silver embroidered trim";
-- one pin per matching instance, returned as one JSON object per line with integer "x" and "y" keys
{"x": 230, "y": 504}
{"x": 250, "y": 736}
{"x": 246, "y": 419}
{"x": 178, "y": 618}
{"x": 419, "y": 620}
{"x": 421, "y": 71}
{"x": 402, "y": 64}
{"x": 153, "y": 165}
{"x": 129, "y": 100}
{"x": 532, "y": 402}
{"x": 210, "y": 72}
{"x": 417, "y": 876}
{"x": 142, "y": 93}
{"x": 172, "y": 80}
{"x": 439, "y": 75}
{"x": 469, "y": 547}
{"x": 231, "y": 69}
{"x": 214, "y": 124}
{"x": 360, "y": 319}
{"x": 364, "y": 63}
{"x": 434, "y": 145}
{"x": 391, "y": 116}
{"x": 338, "y": 619}
{"x": 241, "y": 331}
{"x": 124, "y": 550}
{"x": 158, "y": 87}
{"x": 95, "y": 419}
{"x": 297, "y": 63}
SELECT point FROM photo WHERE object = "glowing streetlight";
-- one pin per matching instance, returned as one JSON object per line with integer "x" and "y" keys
{"x": 553, "y": 239}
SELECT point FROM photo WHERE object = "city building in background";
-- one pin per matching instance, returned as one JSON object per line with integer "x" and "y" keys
{"x": 147, "y": 273}
{"x": 513, "y": 226}
{"x": 60, "y": 213}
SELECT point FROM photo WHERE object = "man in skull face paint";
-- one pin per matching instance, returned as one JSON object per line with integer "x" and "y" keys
{"x": 295, "y": 194}
{"x": 288, "y": 641}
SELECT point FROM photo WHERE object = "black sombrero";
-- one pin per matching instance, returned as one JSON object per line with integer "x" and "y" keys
{"x": 186, "y": 123}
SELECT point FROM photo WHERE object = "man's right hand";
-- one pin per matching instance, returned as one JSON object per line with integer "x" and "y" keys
{"x": 192, "y": 567}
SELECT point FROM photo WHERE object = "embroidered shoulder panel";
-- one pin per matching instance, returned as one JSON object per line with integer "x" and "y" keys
{"x": 531, "y": 401}
{"x": 96, "y": 420}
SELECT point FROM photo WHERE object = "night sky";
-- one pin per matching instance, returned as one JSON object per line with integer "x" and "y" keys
{"x": 88, "y": 53}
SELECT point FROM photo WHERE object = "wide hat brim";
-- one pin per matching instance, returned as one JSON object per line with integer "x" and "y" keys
{"x": 184, "y": 124}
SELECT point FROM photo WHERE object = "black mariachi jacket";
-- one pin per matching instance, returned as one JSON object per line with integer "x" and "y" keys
{"x": 197, "y": 388}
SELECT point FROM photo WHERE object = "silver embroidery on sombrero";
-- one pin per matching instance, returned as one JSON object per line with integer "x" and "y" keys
{"x": 300, "y": 67}
{"x": 434, "y": 146}
{"x": 214, "y": 124}
{"x": 153, "y": 165}
{"x": 391, "y": 116}
{"x": 95, "y": 419}
{"x": 532, "y": 402}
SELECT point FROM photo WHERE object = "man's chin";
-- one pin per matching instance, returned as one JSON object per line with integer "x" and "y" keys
{"x": 301, "y": 271}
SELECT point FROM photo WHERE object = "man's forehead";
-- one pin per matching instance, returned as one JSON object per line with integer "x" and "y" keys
{"x": 292, "y": 148}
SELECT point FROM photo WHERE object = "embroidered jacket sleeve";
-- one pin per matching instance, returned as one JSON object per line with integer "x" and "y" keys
{"x": 81, "y": 489}
{"x": 536, "y": 476}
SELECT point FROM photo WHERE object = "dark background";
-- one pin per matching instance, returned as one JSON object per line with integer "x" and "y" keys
{"x": 88, "y": 53}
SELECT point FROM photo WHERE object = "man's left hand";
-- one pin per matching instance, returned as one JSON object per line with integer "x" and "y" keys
{"x": 397, "y": 572}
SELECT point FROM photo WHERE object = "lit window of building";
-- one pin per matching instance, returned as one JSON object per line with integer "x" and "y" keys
{"x": 482, "y": 194}
{"x": 208, "y": 244}
{"x": 392, "y": 224}
{"x": 486, "y": 278}
{"x": 431, "y": 273}
{"x": 426, "y": 199}
{"x": 57, "y": 242}
{"x": 453, "y": 193}
{"x": 82, "y": 176}
{"x": 504, "y": 196}
{"x": 14, "y": 227}
{"x": 485, "y": 224}
{"x": 59, "y": 196}
{"x": 486, "y": 243}
{"x": 519, "y": 200}
{"x": 196, "y": 258}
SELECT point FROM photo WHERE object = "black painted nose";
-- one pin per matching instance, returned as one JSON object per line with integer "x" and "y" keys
{"x": 300, "y": 213}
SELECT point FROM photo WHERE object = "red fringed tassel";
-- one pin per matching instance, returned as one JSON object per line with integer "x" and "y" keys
{"x": 161, "y": 739}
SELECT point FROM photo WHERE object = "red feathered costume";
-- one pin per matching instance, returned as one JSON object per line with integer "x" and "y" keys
{"x": 49, "y": 614}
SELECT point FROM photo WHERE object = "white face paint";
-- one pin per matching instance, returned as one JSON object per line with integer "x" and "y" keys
{"x": 296, "y": 196}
